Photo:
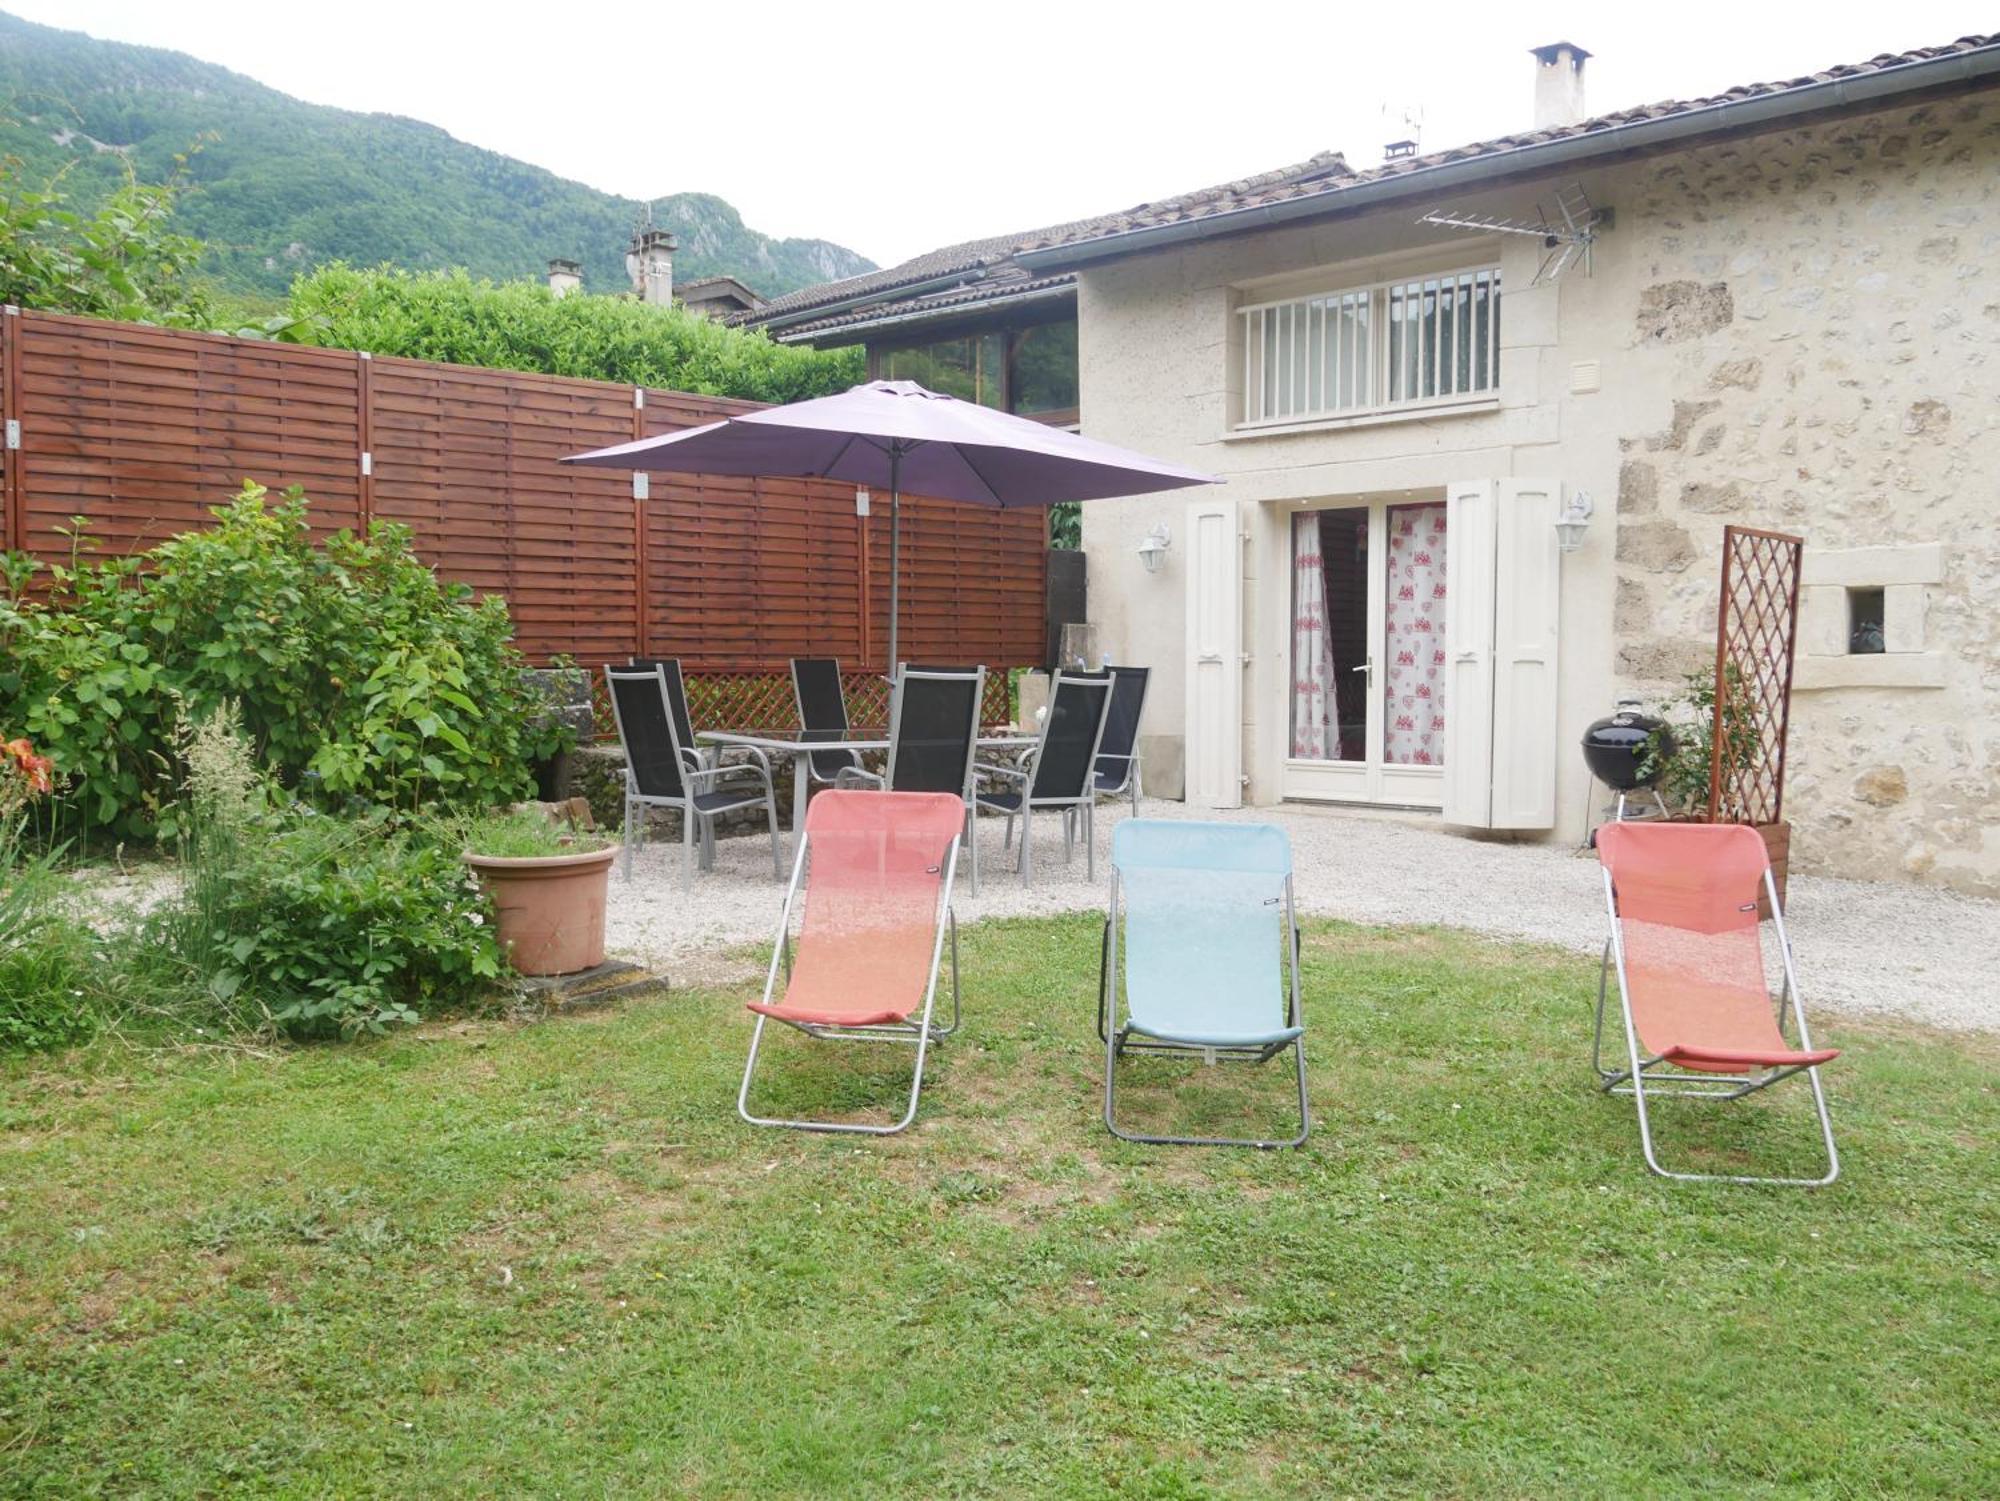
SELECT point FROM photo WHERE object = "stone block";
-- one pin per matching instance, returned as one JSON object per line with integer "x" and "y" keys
{"x": 1882, "y": 786}
{"x": 1823, "y": 622}
{"x": 1904, "y": 608}
{"x": 1664, "y": 659}
{"x": 1672, "y": 311}
{"x": 1638, "y": 488}
{"x": 1928, "y": 416}
{"x": 1656, "y": 546}
{"x": 1743, "y": 374}
{"x": 1633, "y": 612}
{"x": 1710, "y": 499}
{"x": 1874, "y": 567}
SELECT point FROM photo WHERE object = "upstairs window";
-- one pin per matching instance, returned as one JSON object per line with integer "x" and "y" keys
{"x": 1426, "y": 340}
{"x": 1030, "y": 370}
{"x": 972, "y": 369}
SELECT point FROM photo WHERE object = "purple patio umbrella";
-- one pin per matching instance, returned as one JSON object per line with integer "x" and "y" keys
{"x": 895, "y": 434}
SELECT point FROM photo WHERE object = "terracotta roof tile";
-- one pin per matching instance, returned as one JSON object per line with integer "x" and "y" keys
{"x": 996, "y": 252}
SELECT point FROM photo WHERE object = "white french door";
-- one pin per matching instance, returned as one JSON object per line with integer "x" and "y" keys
{"x": 1366, "y": 708}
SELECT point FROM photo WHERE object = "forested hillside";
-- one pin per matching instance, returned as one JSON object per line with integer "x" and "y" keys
{"x": 278, "y": 185}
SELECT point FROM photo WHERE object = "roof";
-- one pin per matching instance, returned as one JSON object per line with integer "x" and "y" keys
{"x": 1043, "y": 261}
{"x": 1855, "y": 85}
{"x": 944, "y": 278}
{"x": 709, "y": 288}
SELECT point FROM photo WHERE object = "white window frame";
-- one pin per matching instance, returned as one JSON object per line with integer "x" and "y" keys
{"x": 1307, "y": 318}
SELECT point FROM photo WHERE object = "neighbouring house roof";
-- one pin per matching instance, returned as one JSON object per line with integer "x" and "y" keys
{"x": 716, "y": 289}
{"x": 961, "y": 278}
{"x": 975, "y": 272}
{"x": 1968, "y": 62}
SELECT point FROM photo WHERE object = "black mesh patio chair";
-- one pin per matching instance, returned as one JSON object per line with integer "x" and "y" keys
{"x": 1118, "y": 755}
{"x": 822, "y": 715}
{"x": 933, "y": 737}
{"x": 658, "y": 773}
{"x": 1060, "y": 771}
{"x": 677, "y": 695}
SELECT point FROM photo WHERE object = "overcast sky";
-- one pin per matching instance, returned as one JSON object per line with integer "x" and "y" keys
{"x": 896, "y": 127}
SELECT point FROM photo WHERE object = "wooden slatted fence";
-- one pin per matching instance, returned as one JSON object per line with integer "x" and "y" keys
{"x": 140, "y": 430}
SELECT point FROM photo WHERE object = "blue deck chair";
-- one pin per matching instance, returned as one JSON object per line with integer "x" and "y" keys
{"x": 1209, "y": 931}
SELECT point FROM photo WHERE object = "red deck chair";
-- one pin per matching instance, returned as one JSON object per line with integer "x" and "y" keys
{"x": 876, "y": 869}
{"x": 1699, "y": 1019}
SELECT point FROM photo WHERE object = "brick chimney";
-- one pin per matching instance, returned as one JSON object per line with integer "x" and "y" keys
{"x": 649, "y": 261}
{"x": 565, "y": 277}
{"x": 1559, "y": 85}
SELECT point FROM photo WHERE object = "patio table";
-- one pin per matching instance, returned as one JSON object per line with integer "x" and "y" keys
{"x": 801, "y": 744}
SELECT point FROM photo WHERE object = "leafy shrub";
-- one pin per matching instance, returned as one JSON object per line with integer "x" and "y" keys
{"x": 1684, "y": 749}
{"x": 350, "y": 659}
{"x": 119, "y": 261}
{"x": 456, "y": 318}
{"x": 310, "y": 923}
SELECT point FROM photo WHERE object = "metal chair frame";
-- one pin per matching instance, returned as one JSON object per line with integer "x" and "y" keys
{"x": 700, "y": 758}
{"x": 923, "y": 1032}
{"x": 799, "y": 702}
{"x": 1078, "y": 808}
{"x": 886, "y": 779}
{"x": 693, "y": 775}
{"x": 1129, "y": 784}
{"x": 1121, "y": 1040}
{"x": 1646, "y": 1076}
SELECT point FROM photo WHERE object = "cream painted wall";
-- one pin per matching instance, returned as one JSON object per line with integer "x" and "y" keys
{"x": 1837, "y": 383}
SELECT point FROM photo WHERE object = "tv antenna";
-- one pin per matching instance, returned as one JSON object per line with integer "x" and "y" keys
{"x": 1566, "y": 239}
{"x": 1405, "y": 124}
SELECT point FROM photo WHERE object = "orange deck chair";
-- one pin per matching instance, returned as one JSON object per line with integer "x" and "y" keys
{"x": 1685, "y": 945}
{"x": 876, "y": 871}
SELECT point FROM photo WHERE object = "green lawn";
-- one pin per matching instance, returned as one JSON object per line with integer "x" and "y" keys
{"x": 506, "y": 1259}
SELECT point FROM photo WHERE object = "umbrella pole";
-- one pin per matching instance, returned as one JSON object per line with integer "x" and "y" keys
{"x": 895, "y": 548}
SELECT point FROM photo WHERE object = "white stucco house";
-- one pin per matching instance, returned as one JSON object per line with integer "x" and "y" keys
{"x": 1788, "y": 317}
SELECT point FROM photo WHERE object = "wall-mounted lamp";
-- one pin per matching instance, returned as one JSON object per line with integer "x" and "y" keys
{"x": 1154, "y": 547}
{"x": 1575, "y": 518}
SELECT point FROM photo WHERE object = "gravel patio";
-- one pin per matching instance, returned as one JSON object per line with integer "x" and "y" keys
{"x": 1867, "y": 948}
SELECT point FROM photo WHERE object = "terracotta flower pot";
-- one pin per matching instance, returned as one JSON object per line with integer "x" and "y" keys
{"x": 551, "y": 908}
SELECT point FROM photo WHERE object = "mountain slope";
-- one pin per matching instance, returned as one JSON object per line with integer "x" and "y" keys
{"x": 285, "y": 184}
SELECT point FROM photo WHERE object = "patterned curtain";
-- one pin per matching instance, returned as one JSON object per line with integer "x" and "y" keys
{"x": 1312, "y": 668}
{"x": 1414, "y": 735}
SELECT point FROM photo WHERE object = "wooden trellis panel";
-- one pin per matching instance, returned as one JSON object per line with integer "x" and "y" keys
{"x": 1756, "y": 637}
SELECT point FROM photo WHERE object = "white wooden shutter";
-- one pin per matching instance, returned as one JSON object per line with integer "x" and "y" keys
{"x": 1529, "y": 573}
{"x": 1214, "y": 743}
{"x": 1469, "y": 576}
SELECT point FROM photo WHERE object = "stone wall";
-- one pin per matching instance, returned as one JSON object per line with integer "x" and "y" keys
{"x": 1821, "y": 311}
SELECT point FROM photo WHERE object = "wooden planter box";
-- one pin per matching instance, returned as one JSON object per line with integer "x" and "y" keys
{"x": 1778, "y": 848}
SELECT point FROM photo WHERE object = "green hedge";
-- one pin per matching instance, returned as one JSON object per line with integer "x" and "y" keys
{"x": 455, "y": 318}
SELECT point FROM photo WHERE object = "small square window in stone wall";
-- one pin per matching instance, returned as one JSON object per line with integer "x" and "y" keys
{"x": 1865, "y": 619}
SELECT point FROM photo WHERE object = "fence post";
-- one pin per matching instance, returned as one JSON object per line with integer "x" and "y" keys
{"x": 13, "y": 524}
{"x": 861, "y": 524}
{"x": 364, "y": 398}
{"x": 641, "y": 567}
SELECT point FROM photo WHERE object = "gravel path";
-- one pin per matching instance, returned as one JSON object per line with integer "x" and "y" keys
{"x": 1897, "y": 950}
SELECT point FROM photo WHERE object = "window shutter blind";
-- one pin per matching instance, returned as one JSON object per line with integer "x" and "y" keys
{"x": 1470, "y": 576}
{"x": 1529, "y": 574}
{"x": 1214, "y": 744}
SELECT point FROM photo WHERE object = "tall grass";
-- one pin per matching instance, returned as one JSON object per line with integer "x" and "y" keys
{"x": 46, "y": 952}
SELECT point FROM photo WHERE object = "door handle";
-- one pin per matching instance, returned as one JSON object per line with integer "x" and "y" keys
{"x": 1367, "y": 666}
